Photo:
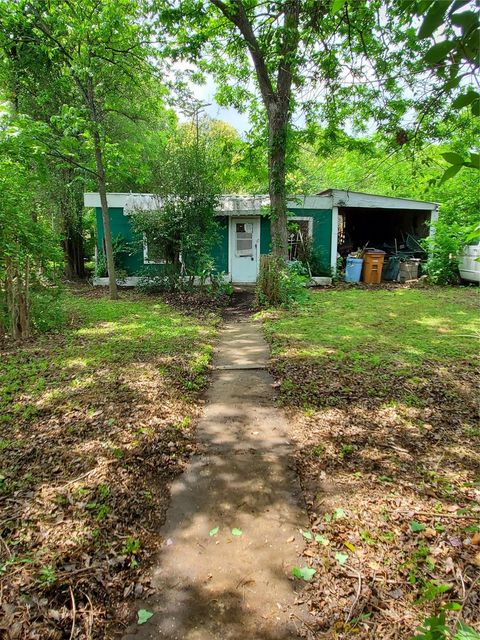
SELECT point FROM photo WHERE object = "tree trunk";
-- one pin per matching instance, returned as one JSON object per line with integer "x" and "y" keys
{"x": 102, "y": 189}
{"x": 74, "y": 254}
{"x": 89, "y": 95}
{"x": 71, "y": 221}
{"x": 277, "y": 147}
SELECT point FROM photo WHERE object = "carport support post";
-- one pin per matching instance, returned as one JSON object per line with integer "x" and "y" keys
{"x": 334, "y": 242}
{"x": 433, "y": 221}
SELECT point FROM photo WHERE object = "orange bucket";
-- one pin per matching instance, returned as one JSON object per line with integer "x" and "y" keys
{"x": 372, "y": 267}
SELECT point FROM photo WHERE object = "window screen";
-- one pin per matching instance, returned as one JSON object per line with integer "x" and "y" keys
{"x": 244, "y": 239}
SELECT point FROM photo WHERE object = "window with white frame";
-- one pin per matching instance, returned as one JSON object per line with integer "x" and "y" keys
{"x": 300, "y": 230}
{"x": 151, "y": 253}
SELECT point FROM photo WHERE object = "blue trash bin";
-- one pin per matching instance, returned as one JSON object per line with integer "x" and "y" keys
{"x": 353, "y": 269}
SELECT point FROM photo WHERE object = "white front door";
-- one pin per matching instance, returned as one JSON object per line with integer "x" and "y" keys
{"x": 244, "y": 249}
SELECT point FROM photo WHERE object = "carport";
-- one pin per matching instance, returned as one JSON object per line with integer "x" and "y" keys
{"x": 395, "y": 225}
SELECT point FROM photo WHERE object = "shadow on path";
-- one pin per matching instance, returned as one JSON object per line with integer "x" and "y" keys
{"x": 226, "y": 586}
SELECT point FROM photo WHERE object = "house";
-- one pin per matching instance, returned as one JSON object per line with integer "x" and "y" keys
{"x": 335, "y": 220}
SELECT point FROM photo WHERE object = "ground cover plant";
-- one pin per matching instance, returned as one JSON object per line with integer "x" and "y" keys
{"x": 96, "y": 419}
{"x": 381, "y": 390}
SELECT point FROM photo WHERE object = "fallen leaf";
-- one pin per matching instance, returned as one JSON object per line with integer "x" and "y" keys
{"x": 430, "y": 533}
{"x": 476, "y": 539}
{"x": 144, "y": 616}
{"x": 304, "y": 573}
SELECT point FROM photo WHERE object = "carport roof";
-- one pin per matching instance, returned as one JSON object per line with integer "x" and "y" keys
{"x": 347, "y": 198}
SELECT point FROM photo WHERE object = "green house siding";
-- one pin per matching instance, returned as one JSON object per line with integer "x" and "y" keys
{"x": 322, "y": 236}
{"x": 220, "y": 249}
{"x": 132, "y": 261}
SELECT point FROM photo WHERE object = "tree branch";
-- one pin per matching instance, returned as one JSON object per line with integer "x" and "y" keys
{"x": 288, "y": 49}
{"x": 240, "y": 19}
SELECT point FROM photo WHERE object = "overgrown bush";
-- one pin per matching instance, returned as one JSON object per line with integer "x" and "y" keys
{"x": 444, "y": 249}
{"x": 210, "y": 284}
{"x": 182, "y": 229}
{"x": 280, "y": 283}
{"x": 311, "y": 258}
{"x": 30, "y": 251}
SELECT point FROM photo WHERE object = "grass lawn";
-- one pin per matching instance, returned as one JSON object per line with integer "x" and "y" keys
{"x": 382, "y": 389}
{"x": 96, "y": 419}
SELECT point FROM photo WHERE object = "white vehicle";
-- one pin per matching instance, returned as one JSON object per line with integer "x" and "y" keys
{"x": 468, "y": 264}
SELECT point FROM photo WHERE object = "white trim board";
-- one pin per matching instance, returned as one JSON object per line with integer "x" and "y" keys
{"x": 334, "y": 240}
{"x": 344, "y": 198}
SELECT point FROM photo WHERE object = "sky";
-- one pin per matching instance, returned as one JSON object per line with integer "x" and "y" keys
{"x": 205, "y": 93}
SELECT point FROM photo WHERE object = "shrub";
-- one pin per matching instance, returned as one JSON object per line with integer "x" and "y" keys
{"x": 444, "y": 249}
{"x": 47, "y": 309}
{"x": 280, "y": 283}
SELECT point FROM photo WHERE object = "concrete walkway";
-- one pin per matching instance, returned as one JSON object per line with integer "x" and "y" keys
{"x": 227, "y": 587}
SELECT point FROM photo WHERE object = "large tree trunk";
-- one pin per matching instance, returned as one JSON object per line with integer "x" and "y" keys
{"x": 102, "y": 189}
{"x": 74, "y": 254}
{"x": 277, "y": 147}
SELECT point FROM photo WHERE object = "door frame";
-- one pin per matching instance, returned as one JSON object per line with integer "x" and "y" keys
{"x": 231, "y": 242}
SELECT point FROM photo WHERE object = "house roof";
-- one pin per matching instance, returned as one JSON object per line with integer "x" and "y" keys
{"x": 232, "y": 204}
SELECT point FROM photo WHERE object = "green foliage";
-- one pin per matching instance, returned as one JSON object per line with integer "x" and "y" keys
{"x": 303, "y": 573}
{"x": 444, "y": 248}
{"x": 435, "y": 628}
{"x": 29, "y": 248}
{"x": 47, "y": 576}
{"x": 279, "y": 283}
{"x": 182, "y": 230}
{"x": 143, "y": 616}
{"x": 120, "y": 249}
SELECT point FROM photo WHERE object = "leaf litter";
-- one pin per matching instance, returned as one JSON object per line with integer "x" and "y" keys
{"x": 401, "y": 511}
{"x": 87, "y": 462}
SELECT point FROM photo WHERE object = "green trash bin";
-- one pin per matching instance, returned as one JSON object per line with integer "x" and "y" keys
{"x": 391, "y": 269}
